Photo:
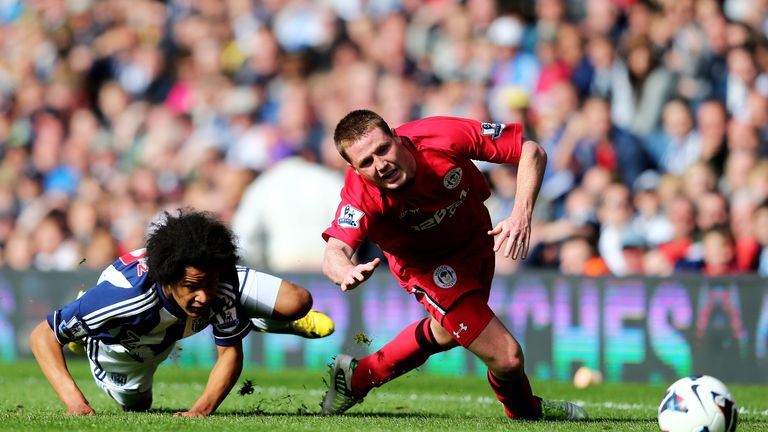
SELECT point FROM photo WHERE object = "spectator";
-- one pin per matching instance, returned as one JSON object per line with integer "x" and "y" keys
{"x": 615, "y": 214}
{"x": 711, "y": 121}
{"x": 633, "y": 250}
{"x": 514, "y": 72}
{"x": 578, "y": 257}
{"x": 676, "y": 145}
{"x": 277, "y": 229}
{"x": 594, "y": 140}
{"x": 719, "y": 258}
{"x": 681, "y": 214}
{"x": 760, "y": 222}
{"x": 711, "y": 210}
{"x": 651, "y": 86}
{"x": 54, "y": 248}
{"x": 649, "y": 218}
{"x": 183, "y": 104}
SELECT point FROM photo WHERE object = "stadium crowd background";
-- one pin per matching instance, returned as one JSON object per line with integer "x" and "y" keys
{"x": 654, "y": 115}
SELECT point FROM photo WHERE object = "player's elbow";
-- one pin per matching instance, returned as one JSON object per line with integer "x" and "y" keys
{"x": 38, "y": 338}
{"x": 535, "y": 151}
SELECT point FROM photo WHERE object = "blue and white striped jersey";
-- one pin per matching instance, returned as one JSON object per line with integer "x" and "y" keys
{"x": 126, "y": 308}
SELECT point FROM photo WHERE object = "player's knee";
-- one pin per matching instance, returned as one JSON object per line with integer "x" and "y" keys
{"x": 509, "y": 366}
{"x": 297, "y": 304}
{"x": 140, "y": 407}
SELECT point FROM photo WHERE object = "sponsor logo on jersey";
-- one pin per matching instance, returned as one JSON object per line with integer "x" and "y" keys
{"x": 350, "y": 217}
{"x": 199, "y": 323}
{"x": 492, "y": 129}
{"x": 444, "y": 276}
{"x": 73, "y": 329}
{"x": 452, "y": 178}
{"x": 441, "y": 214}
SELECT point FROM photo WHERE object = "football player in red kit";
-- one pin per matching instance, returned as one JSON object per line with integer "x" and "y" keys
{"x": 417, "y": 194}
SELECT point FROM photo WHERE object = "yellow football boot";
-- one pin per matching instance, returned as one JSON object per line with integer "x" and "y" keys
{"x": 313, "y": 325}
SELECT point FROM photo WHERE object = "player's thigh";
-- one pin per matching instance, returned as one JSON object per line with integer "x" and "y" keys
{"x": 266, "y": 296}
{"x": 293, "y": 301}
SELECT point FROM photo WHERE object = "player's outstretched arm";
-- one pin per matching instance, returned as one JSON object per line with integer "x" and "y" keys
{"x": 338, "y": 265}
{"x": 515, "y": 230}
{"x": 223, "y": 377}
{"x": 50, "y": 357}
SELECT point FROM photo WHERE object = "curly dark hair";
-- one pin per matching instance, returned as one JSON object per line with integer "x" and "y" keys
{"x": 192, "y": 238}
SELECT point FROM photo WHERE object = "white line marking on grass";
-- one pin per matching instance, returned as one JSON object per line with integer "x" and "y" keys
{"x": 483, "y": 400}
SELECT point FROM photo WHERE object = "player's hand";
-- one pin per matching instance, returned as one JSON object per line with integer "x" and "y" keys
{"x": 359, "y": 274}
{"x": 80, "y": 409}
{"x": 516, "y": 233}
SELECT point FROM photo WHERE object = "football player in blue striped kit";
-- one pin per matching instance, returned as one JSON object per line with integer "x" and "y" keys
{"x": 184, "y": 280}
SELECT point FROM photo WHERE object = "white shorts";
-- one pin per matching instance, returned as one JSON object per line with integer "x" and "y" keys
{"x": 122, "y": 378}
{"x": 258, "y": 292}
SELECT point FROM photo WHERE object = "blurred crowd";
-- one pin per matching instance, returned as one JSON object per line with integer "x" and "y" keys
{"x": 654, "y": 114}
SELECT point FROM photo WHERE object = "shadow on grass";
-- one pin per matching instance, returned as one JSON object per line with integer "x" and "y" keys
{"x": 408, "y": 415}
{"x": 302, "y": 413}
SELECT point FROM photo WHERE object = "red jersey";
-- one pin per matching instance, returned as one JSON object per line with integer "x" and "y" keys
{"x": 440, "y": 214}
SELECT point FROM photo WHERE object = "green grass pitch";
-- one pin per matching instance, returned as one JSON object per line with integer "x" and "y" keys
{"x": 289, "y": 401}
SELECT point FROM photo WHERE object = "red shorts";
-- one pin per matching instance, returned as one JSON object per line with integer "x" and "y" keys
{"x": 468, "y": 318}
{"x": 455, "y": 293}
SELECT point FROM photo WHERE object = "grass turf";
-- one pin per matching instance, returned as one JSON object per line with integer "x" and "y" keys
{"x": 288, "y": 401}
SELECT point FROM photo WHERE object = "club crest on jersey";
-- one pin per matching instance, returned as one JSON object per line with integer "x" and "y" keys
{"x": 444, "y": 276}
{"x": 492, "y": 129}
{"x": 452, "y": 178}
{"x": 350, "y": 217}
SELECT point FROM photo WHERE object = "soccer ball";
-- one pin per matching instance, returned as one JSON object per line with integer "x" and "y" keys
{"x": 698, "y": 404}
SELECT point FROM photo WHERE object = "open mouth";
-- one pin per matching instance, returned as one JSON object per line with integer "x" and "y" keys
{"x": 389, "y": 175}
{"x": 198, "y": 310}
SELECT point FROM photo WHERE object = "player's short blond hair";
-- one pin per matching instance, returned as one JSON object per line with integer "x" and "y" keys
{"x": 355, "y": 125}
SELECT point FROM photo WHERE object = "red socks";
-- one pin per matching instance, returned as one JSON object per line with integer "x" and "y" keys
{"x": 517, "y": 397}
{"x": 407, "y": 351}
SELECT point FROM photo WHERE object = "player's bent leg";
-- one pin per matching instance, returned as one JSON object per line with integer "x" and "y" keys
{"x": 407, "y": 351}
{"x": 278, "y": 306}
{"x": 292, "y": 302}
{"x": 501, "y": 352}
{"x": 127, "y": 382}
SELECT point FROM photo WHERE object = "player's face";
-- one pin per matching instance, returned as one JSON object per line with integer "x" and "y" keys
{"x": 195, "y": 292}
{"x": 382, "y": 159}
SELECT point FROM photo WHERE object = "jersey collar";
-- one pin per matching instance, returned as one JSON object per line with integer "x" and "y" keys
{"x": 169, "y": 304}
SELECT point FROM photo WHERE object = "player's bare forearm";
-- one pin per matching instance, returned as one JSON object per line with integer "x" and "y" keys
{"x": 47, "y": 352}
{"x": 513, "y": 233}
{"x": 339, "y": 268}
{"x": 530, "y": 174}
{"x": 222, "y": 378}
